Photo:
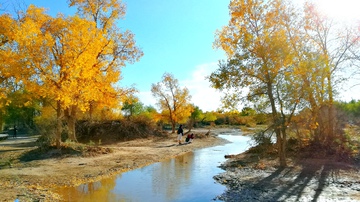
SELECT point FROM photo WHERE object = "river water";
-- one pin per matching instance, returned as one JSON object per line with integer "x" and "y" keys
{"x": 188, "y": 177}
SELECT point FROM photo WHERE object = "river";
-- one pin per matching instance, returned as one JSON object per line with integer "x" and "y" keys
{"x": 188, "y": 177}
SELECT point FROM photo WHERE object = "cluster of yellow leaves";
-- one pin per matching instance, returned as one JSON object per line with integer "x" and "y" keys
{"x": 173, "y": 101}
{"x": 64, "y": 57}
{"x": 72, "y": 60}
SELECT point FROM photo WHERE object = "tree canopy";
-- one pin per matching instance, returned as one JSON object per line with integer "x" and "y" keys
{"x": 74, "y": 61}
{"x": 173, "y": 101}
{"x": 284, "y": 58}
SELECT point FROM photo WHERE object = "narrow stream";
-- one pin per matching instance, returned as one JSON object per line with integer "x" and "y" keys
{"x": 184, "y": 178}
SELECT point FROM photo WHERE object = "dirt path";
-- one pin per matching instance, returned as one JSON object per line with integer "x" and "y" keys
{"x": 29, "y": 180}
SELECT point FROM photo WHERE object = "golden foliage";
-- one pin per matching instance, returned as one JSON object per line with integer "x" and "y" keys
{"x": 173, "y": 101}
{"x": 73, "y": 60}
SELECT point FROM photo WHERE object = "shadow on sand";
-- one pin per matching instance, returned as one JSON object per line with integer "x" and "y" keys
{"x": 304, "y": 181}
{"x": 173, "y": 145}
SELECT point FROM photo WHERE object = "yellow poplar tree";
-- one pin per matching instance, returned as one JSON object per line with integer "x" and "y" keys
{"x": 287, "y": 59}
{"x": 335, "y": 46}
{"x": 74, "y": 61}
{"x": 172, "y": 100}
{"x": 260, "y": 58}
{"x": 10, "y": 62}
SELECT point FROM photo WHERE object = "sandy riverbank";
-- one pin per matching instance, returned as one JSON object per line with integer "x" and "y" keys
{"x": 303, "y": 180}
{"x": 29, "y": 180}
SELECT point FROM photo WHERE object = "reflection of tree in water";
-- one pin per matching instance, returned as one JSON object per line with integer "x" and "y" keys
{"x": 172, "y": 174}
{"x": 93, "y": 191}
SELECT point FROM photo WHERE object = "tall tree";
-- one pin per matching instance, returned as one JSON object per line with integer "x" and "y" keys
{"x": 10, "y": 64}
{"x": 286, "y": 58}
{"x": 172, "y": 100}
{"x": 117, "y": 47}
{"x": 74, "y": 60}
{"x": 259, "y": 58}
{"x": 334, "y": 46}
{"x": 196, "y": 116}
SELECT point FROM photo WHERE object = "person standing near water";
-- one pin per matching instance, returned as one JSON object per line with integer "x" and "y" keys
{"x": 180, "y": 133}
{"x": 15, "y": 130}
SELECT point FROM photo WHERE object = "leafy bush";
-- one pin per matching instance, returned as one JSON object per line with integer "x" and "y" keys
{"x": 262, "y": 138}
{"x": 262, "y": 142}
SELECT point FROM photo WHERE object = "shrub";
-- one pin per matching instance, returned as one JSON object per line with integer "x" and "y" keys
{"x": 262, "y": 142}
{"x": 117, "y": 130}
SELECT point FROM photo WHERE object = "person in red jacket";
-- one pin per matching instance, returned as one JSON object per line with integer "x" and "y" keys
{"x": 189, "y": 138}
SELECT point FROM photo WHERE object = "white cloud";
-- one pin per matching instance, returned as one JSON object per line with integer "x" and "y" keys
{"x": 146, "y": 98}
{"x": 203, "y": 96}
{"x": 208, "y": 99}
{"x": 350, "y": 90}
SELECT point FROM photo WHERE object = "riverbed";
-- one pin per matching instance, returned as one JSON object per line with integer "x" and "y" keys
{"x": 187, "y": 177}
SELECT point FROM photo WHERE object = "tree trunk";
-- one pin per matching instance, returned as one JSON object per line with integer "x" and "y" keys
{"x": 173, "y": 124}
{"x": 331, "y": 117}
{"x": 71, "y": 127}
{"x": 282, "y": 148}
{"x": 58, "y": 125}
{"x": 191, "y": 124}
{"x": 1, "y": 122}
{"x": 91, "y": 111}
{"x": 71, "y": 121}
{"x": 280, "y": 141}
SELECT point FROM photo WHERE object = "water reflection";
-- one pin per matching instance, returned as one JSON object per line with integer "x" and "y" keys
{"x": 171, "y": 175}
{"x": 184, "y": 178}
{"x": 94, "y": 191}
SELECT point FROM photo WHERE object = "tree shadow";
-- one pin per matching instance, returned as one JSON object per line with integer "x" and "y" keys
{"x": 23, "y": 145}
{"x": 49, "y": 153}
{"x": 20, "y": 142}
{"x": 293, "y": 183}
{"x": 163, "y": 146}
{"x": 303, "y": 179}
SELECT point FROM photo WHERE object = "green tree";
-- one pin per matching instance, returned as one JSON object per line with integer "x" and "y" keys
{"x": 196, "y": 116}
{"x": 248, "y": 111}
{"x": 352, "y": 109}
{"x": 173, "y": 101}
{"x": 132, "y": 107}
{"x": 209, "y": 117}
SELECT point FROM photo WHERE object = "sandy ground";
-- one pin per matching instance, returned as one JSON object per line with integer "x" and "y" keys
{"x": 245, "y": 179}
{"x": 323, "y": 180}
{"x": 32, "y": 180}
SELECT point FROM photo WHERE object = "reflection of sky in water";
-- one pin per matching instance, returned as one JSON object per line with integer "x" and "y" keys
{"x": 184, "y": 178}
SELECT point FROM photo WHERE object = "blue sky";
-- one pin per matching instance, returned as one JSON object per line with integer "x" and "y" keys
{"x": 176, "y": 36}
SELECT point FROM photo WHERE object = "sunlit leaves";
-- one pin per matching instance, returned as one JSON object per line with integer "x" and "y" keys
{"x": 103, "y": 12}
{"x": 72, "y": 60}
{"x": 172, "y": 100}
{"x": 257, "y": 46}
{"x": 259, "y": 42}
